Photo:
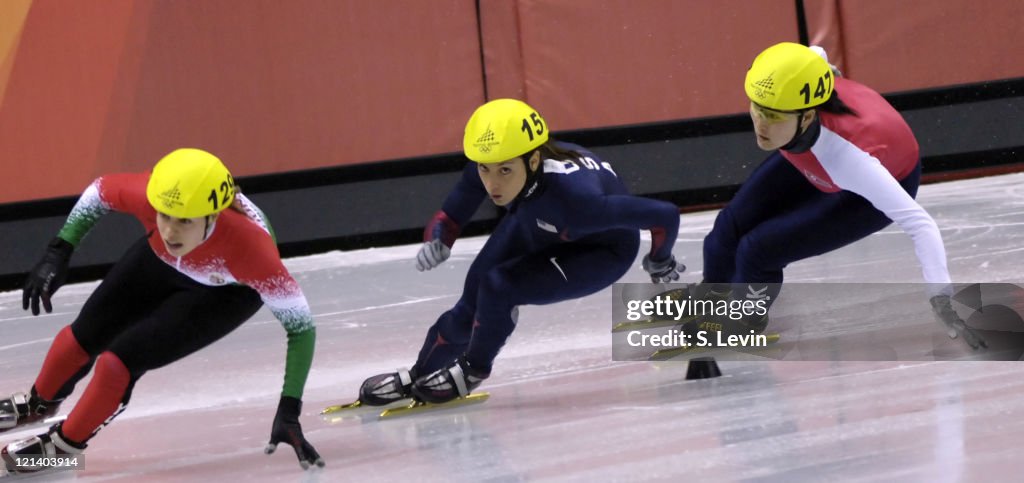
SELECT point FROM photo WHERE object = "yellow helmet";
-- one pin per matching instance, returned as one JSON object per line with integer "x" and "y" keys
{"x": 190, "y": 183}
{"x": 789, "y": 77}
{"x": 503, "y": 129}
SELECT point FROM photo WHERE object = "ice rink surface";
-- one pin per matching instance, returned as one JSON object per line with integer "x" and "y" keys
{"x": 560, "y": 408}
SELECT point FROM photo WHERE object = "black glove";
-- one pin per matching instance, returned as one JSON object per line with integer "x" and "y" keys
{"x": 944, "y": 311}
{"x": 287, "y": 430}
{"x": 47, "y": 276}
{"x": 664, "y": 271}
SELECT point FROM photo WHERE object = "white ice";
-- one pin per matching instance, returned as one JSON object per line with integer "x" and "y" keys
{"x": 560, "y": 408}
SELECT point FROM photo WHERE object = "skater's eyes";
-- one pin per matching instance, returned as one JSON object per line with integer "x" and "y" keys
{"x": 769, "y": 114}
{"x": 502, "y": 169}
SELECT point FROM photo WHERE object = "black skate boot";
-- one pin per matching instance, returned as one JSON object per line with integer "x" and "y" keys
{"x": 727, "y": 326}
{"x": 448, "y": 383}
{"x": 21, "y": 409}
{"x": 742, "y": 315}
{"x": 384, "y": 389}
{"x": 47, "y": 451}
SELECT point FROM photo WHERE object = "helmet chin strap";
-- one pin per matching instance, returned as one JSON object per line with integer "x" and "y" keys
{"x": 796, "y": 136}
{"x": 799, "y": 121}
{"x": 206, "y": 229}
{"x": 532, "y": 178}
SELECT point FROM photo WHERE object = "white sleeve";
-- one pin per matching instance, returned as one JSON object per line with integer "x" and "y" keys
{"x": 853, "y": 169}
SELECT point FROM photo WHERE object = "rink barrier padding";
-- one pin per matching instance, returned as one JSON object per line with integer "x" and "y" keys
{"x": 310, "y": 84}
{"x": 323, "y": 138}
{"x": 915, "y": 44}
{"x": 269, "y": 86}
{"x": 361, "y": 206}
{"x": 625, "y": 62}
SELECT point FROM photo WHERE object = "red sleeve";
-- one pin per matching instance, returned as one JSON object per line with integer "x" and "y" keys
{"x": 126, "y": 193}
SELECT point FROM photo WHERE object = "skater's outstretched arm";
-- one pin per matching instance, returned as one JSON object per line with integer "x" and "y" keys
{"x": 444, "y": 227}
{"x": 263, "y": 271}
{"x": 605, "y": 212}
{"x": 101, "y": 197}
{"x": 855, "y": 170}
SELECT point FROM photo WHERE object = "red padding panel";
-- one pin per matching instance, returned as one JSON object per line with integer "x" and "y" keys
{"x": 267, "y": 85}
{"x": 614, "y": 62}
{"x": 915, "y": 44}
{"x": 824, "y": 28}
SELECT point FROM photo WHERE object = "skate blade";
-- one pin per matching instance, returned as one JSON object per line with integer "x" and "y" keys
{"x": 357, "y": 411}
{"x": 341, "y": 407}
{"x": 416, "y": 407}
{"x": 647, "y": 324}
{"x": 15, "y": 476}
{"x": 666, "y": 354}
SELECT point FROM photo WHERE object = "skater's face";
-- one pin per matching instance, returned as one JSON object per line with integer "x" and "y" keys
{"x": 503, "y": 181}
{"x": 774, "y": 129}
{"x": 182, "y": 235}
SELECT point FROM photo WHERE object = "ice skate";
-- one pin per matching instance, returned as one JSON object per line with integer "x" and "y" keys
{"x": 417, "y": 406}
{"x": 727, "y": 325}
{"x": 46, "y": 453}
{"x": 379, "y": 390}
{"x": 384, "y": 389}
{"x": 456, "y": 380}
{"x": 444, "y": 388}
{"x": 21, "y": 411}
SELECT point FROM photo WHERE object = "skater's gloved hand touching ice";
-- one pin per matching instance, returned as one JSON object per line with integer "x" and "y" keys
{"x": 47, "y": 276}
{"x": 287, "y": 430}
{"x": 664, "y": 271}
{"x": 943, "y": 308}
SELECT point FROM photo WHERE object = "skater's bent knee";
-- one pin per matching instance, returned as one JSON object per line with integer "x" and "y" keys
{"x": 495, "y": 284}
{"x": 752, "y": 253}
{"x": 110, "y": 363}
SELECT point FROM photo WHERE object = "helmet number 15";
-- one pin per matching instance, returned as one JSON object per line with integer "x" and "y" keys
{"x": 820, "y": 90}
{"x": 536, "y": 122}
{"x": 226, "y": 193}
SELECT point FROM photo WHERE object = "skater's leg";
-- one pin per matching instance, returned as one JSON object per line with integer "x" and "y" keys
{"x": 114, "y": 305}
{"x": 66, "y": 363}
{"x": 555, "y": 274}
{"x": 450, "y": 335}
{"x": 182, "y": 324}
{"x": 446, "y": 339}
{"x": 104, "y": 398}
{"x": 820, "y": 224}
{"x": 563, "y": 272}
{"x": 775, "y": 187}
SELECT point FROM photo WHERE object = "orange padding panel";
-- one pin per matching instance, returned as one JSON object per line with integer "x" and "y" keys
{"x": 88, "y": 88}
{"x": 589, "y": 64}
{"x": 267, "y": 85}
{"x": 824, "y": 29}
{"x": 916, "y": 44}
